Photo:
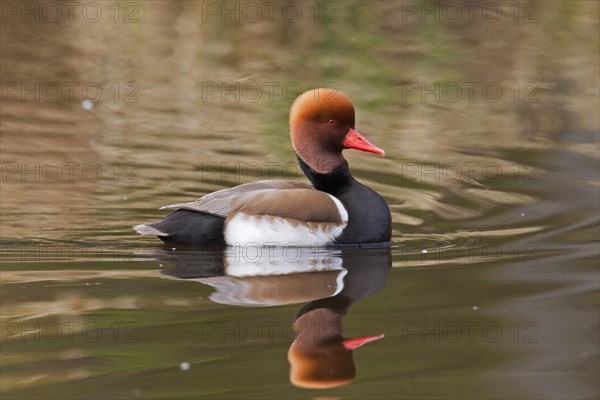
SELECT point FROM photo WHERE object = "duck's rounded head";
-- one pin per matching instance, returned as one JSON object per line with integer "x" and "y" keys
{"x": 321, "y": 126}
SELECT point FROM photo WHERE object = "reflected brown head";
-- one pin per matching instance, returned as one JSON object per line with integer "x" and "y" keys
{"x": 320, "y": 357}
{"x": 321, "y": 368}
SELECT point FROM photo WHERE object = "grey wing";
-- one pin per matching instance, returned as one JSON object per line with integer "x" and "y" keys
{"x": 223, "y": 202}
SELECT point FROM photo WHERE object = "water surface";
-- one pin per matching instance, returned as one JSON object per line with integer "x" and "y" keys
{"x": 490, "y": 289}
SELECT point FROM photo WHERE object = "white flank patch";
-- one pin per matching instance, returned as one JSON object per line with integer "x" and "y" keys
{"x": 244, "y": 229}
{"x": 341, "y": 210}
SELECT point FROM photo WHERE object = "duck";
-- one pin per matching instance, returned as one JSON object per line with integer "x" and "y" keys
{"x": 334, "y": 209}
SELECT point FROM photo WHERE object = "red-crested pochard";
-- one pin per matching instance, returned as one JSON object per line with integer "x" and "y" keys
{"x": 336, "y": 209}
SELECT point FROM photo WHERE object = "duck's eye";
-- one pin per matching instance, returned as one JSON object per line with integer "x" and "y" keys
{"x": 331, "y": 122}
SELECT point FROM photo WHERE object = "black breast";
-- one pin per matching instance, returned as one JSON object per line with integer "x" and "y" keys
{"x": 369, "y": 219}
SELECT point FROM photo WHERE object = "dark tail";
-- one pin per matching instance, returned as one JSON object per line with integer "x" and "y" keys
{"x": 186, "y": 227}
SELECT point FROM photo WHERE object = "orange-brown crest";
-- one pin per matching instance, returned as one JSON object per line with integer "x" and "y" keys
{"x": 319, "y": 104}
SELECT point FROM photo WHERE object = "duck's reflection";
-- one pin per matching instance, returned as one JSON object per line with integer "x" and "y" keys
{"x": 320, "y": 357}
{"x": 330, "y": 280}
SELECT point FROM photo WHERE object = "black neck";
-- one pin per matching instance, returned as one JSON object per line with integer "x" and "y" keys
{"x": 333, "y": 182}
